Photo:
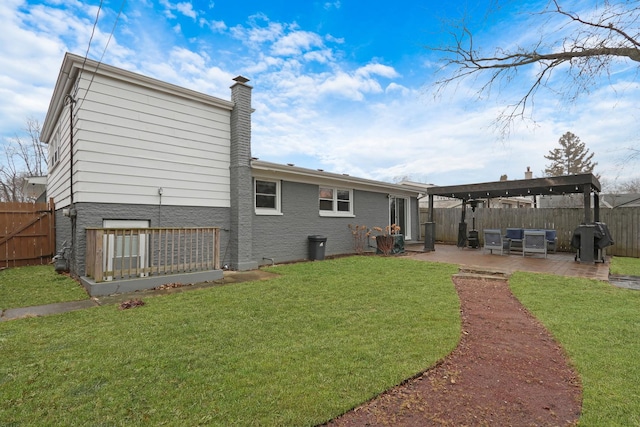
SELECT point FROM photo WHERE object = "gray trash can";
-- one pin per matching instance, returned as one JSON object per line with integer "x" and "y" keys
{"x": 316, "y": 247}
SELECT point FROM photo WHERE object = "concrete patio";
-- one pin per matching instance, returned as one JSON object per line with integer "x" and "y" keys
{"x": 561, "y": 263}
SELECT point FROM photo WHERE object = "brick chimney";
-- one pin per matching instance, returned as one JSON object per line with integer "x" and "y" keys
{"x": 528, "y": 174}
{"x": 241, "y": 221}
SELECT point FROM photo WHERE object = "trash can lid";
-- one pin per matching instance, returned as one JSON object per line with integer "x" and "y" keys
{"x": 317, "y": 237}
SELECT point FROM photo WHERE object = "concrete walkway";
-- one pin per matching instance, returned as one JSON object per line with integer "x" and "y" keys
{"x": 63, "y": 307}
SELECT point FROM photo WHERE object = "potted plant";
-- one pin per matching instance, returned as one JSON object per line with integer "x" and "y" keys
{"x": 386, "y": 239}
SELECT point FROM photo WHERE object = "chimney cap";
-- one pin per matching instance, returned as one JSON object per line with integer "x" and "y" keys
{"x": 241, "y": 79}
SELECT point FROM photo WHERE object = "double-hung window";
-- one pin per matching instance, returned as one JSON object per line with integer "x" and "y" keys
{"x": 335, "y": 201}
{"x": 267, "y": 197}
{"x": 54, "y": 148}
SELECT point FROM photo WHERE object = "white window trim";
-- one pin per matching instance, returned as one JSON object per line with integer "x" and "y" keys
{"x": 54, "y": 148}
{"x": 268, "y": 211}
{"x": 335, "y": 212}
{"x": 407, "y": 207}
{"x": 110, "y": 247}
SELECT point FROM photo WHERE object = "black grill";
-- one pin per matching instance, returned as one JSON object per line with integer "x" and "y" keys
{"x": 601, "y": 239}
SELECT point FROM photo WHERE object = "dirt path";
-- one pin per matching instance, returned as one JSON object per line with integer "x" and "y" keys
{"x": 506, "y": 371}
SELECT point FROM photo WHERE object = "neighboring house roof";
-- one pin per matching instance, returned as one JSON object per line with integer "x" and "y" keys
{"x": 449, "y": 202}
{"x": 456, "y": 203}
{"x": 626, "y": 200}
{"x": 35, "y": 186}
{"x": 608, "y": 201}
{"x": 71, "y": 67}
{"x": 294, "y": 173}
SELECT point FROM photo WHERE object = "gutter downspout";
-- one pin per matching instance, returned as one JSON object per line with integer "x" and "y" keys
{"x": 70, "y": 101}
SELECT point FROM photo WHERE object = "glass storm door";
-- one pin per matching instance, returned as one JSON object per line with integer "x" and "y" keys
{"x": 398, "y": 214}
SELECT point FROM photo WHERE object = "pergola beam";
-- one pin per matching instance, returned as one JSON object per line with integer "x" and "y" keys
{"x": 553, "y": 185}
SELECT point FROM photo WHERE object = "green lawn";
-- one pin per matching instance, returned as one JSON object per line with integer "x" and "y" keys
{"x": 293, "y": 351}
{"x": 599, "y": 327}
{"x": 38, "y": 285}
{"x": 296, "y": 350}
{"x": 625, "y": 266}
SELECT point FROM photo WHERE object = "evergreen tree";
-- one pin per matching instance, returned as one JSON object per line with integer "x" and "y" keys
{"x": 571, "y": 158}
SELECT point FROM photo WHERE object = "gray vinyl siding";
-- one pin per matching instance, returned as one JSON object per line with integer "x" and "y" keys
{"x": 130, "y": 133}
{"x": 58, "y": 182}
{"x": 284, "y": 237}
{"x": 93, "y": 214}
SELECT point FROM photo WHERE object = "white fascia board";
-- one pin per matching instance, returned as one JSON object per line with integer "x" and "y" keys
{"x": 262, "y": 169}
{"x": 71, "y": 66}
{"x": 64, "y": 84}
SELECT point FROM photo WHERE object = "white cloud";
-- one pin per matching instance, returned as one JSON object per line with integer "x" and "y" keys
{"x": 32, "y": 44}
{"x": 332, "y": 39}
{"x": 186, "y": 9}
{"x": 323, "y": 56}
{"x": 295, "y": 43}
{"x": 312, "y": 107}
{"x": 394, "y": 87}
{"x": 216, "y": 26}
{"x": 255, "y": 35}
{"x": 332, "y": 5}
{"x": 377, "y": 69}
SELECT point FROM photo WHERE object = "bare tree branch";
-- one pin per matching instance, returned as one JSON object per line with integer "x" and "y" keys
{"x": 23, "y": 157}
{"x": 588, "y": 46}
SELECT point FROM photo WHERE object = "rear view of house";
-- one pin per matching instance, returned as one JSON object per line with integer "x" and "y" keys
{"x": 154, "y": 183}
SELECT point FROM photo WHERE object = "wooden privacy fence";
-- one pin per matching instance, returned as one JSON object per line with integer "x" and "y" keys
{"x": 123, "y": 253}
{"x": 27, "y": 233}
{"x": 623, "y": 223}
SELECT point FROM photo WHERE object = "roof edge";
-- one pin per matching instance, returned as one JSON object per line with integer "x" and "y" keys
{"x": 73, "y": 64}
{"x": 313, "y": 176}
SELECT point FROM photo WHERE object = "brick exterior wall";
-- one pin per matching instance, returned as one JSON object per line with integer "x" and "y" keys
{"x": 247, "y": 239}
{"x": 240, "y": 175}
{"x": 93, "y": 214}
{"x": 285, "y": 237}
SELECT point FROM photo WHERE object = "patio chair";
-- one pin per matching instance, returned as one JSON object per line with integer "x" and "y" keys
{"x": 534, "y": 241}
{"x": 552, "y": 240}
{"x": 515, "y": 236}
{"x": 493, "y": 240}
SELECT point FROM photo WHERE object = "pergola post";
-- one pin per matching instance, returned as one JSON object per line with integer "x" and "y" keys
{"x": 587, "y": 203}
{"x": 430, "y": 207}
{"x": 430, "y": 229}
{"x": 462, "y": 227}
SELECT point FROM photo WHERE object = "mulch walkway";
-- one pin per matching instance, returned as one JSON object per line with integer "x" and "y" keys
{"x": 506, "y": 371}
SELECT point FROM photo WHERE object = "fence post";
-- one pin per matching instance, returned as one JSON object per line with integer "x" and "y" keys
{"x": 99, "y": 260}
{"x": 217, "y": 249}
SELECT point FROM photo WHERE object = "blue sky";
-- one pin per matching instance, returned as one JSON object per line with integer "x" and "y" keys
{"x": 344, "y": 86}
